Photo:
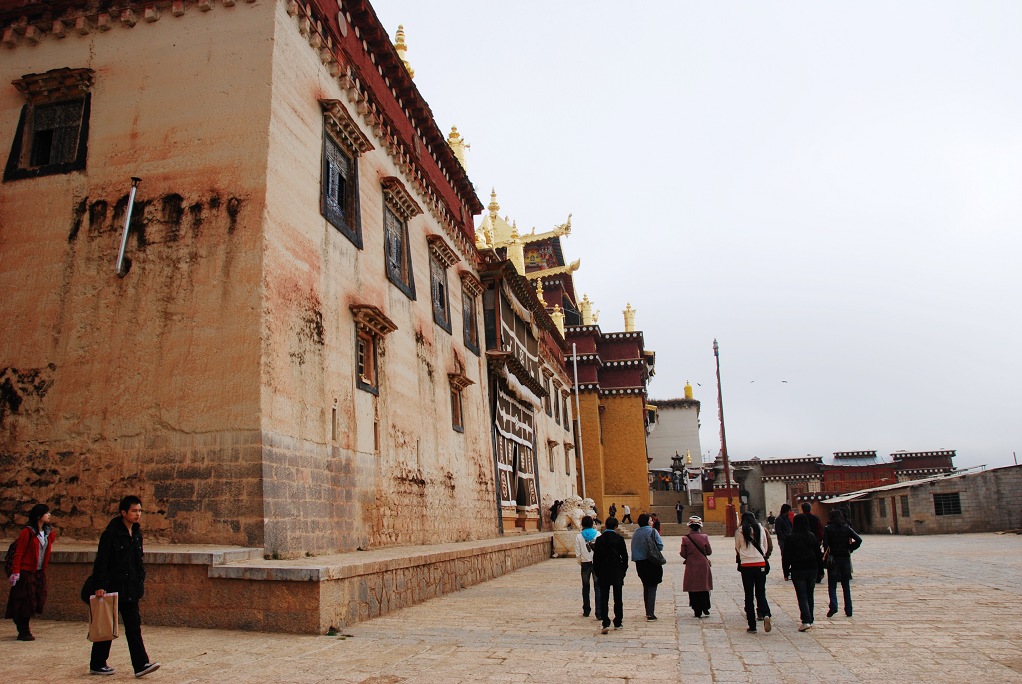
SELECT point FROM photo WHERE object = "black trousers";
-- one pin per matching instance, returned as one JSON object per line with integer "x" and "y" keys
{"x": 754, "y": 583}
{"x": 604, "y": 598}
{"x": 131, "y": 625}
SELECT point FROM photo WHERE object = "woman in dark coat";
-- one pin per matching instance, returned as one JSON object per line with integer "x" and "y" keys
{"x": 782, "y": 529}
{"x": 28, "y": 581}
{"x": 698, "y": 582}
{"x": 802, "y": 560}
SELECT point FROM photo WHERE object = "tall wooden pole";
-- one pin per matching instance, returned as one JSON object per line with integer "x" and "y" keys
{"x": 730, "y": 524}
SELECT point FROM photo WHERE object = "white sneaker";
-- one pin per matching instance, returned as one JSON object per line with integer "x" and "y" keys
{"x": 805, "y": 627}
{"x": 149, "y": 667}
{"x": 766, "y": 624}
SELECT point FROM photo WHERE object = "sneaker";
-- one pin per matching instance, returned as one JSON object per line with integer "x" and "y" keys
{"x": 848, "y": 615}
{"x": 805, "y": 627}
{"x": 605, "y": 630}
{"x": 102, "y": 670}
{"x": 149, "y": 667}
{"x": 617, "y": 626}
{"x": 651, "y": 617}
{"x": 26, "y": 636}
{"x": 832, "y": 612}
{"x": 585, "y": 614}
{"x": 751, "y": 630}
{"x": 766, "y": 624}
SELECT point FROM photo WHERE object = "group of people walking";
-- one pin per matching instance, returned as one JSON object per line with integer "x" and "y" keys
{"x": 809, "y": 551}
{"x": 118, "y": 568}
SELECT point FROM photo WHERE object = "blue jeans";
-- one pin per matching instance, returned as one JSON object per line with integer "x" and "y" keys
{"x": 840, "y": 572}
{"x": 805, "y": 585}
{"x": 587, "y": 574}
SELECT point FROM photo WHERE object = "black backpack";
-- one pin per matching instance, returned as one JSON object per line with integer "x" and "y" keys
{"x": 9, "y": 558}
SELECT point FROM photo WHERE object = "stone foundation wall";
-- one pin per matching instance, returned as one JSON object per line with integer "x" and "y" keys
{"x": 308, "y": 596}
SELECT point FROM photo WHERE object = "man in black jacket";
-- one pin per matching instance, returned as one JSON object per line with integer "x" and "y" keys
{"x": 118, "y": 568}
{"x": 610, "y": 564}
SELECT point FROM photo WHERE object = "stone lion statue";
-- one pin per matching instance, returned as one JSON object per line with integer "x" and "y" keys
{"x": 569, "y": 515}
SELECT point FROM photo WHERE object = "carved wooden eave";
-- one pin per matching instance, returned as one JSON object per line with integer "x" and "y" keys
{"x": 505, "y": 359}
{"x": 344, "y": 127}
{"x": 55, "y": 84}
{"x": 471, "y": 284}
{"x": 557, "y": 270}
{"x": 459, "y": 381}
{"x": 442, "y": 251}
{"x": 399, "y": 199}
{"x": 372, "y": 320}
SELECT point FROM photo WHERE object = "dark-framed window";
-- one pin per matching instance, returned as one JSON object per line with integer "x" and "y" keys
{"x": 371, "y": 325}
{"x": 399, "y": 207}
{"x": 555, "y": 395}
{"x": 904, "y": 506}
{"x": 366, "y": 375}
{"x": 53, "y": 129}
{"x": 438, "y": 293}
{"x": 457, "y": 418}
{"x": 564, "y": 407}
{"x": 340, "y": 205}
{"x": 882, "y": 507}
{"x": 548, "y": 398}
{"x": 947, "y": 504}
{"x": 470, "y": 290}
{"x": 343, "y": 143}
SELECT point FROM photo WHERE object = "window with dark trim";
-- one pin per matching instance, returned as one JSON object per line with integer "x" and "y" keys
{"x": 904, "y": 507}
{"x": 459, "y": 382}
{"x": 457, "y": 420}
{"x": 343, "y": 143}
{"x": 564, "y": 406}
{"x": 882, "y": 507}
{"x": 548, "y": 398}
{"x": 399, "y": 207}
{"x": 470, "y": 289}
{"x": 947, "y": 504}
{"x": 53, "y": 130}
{"x": 438, "y": 293}
{"x": 371, "y": 325}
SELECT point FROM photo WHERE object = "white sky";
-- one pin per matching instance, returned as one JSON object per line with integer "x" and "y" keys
{"x": 832, "y": 190}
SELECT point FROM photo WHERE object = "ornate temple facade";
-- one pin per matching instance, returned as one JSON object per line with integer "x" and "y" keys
{"x": 275, "y": 339}
{"x": 533, "y": 434}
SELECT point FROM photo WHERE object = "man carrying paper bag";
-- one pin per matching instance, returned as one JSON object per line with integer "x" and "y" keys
{"x": 103, "y": 617}
{"x": 118, "y": 568}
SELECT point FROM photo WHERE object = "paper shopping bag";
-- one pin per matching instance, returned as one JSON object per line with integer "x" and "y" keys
{"x": 103, "y": 617}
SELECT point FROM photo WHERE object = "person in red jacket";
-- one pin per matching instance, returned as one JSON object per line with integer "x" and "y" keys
{"x": 28, "y": 581}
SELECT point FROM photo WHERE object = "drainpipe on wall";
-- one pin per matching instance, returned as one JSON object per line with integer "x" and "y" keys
{"x": 578, "y": 419}
{"x": 123, "y": 264}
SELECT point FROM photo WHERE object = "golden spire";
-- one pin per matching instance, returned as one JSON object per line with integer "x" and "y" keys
{"x": 558, "y": 318}
{"x": 493, "y": 207}
{"x": 586, "y": 309}
{"x": 688, "y": 390}
{"x": 516, "y": 251}
{"x": 539, "y": 291}
{"x": 458, "y": 145}
{"x": 399, "y": 45}
{"x": 688, "y": 457}
{"x": 629, "y": 313}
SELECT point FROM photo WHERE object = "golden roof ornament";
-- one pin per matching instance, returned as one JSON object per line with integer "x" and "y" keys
{"x": 458, "y": 145}
{"x": 493, "y": 207}
{"x": 557, "y": 316}
{"x": 688, "y": 390}
{"x": 629, "y": 313}
{"x": 399, "y": 45}
{"x": 539, "y": 291}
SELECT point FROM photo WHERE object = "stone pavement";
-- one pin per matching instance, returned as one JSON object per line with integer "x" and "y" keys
{"x": 927, "y": 609}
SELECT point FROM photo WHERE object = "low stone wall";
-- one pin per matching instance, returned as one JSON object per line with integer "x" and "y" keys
{"x": 235, "y": 588}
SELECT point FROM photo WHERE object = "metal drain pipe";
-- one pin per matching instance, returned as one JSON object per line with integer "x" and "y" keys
{"x": 122, "y": 270}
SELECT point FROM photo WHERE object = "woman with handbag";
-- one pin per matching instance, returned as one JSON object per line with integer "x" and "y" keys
{"x": 28, "y": 577}
{"x": 752, "y": 552}
{"x": 649, "y": 562}
{"x": 698, "y": 582}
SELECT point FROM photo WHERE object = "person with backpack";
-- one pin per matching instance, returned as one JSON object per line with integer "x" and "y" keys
{"x": 839, "y": 541}
{"x": 584, "y": 553}
{"x": 802, "y": 560}
{"x": 752, "y": 552}
{"x": 28, "y": 562}
{"x": 610, "y": 563}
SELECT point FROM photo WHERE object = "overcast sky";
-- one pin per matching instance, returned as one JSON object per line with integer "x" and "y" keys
{"x": 832, "y": 190}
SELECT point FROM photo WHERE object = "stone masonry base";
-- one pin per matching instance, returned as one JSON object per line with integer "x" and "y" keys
{"x": 235, "y": 588}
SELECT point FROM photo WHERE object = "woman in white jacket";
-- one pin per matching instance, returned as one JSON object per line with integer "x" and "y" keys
{"x": 753, "y": 548}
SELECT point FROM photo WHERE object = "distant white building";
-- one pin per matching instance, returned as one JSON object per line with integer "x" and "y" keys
{"x": 675, "y": 432}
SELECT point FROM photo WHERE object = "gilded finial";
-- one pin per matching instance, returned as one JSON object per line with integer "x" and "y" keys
{"x": 586, "y": 309}
{"x": 688, "y": 390}
{"x": 557, "y": 316}
{"x": 399, "y": 45}
{"x": 629, "y": 313}
{"x": 458, "y": 145}
{"x": 493, "y": 206}
{"x": 539, "y": 291}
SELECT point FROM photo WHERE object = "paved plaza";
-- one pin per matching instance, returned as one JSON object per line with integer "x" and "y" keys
{"x": 927, "y": 609}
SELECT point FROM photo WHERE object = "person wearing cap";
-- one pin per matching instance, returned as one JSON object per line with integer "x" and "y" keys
{"x": 28, "y": 580}
{"x": 698, "y": 582}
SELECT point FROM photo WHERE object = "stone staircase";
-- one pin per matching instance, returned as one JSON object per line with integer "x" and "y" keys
{"x": 662, "y": 503}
